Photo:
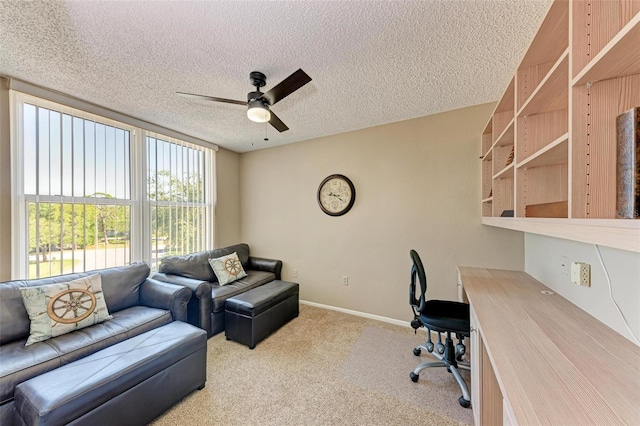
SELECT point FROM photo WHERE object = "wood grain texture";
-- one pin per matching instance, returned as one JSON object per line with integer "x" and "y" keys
{"x": 539, "y": 130}
{"x": 501, "y": 120}
{"x": 594, "y": 143}
{"x": 540, "y": 185}
{"x": 554, "y": 363}
{"x": 552, "y": 37}
{"x": 504, "y": 113}
{"x": 491, "y": 400}
{"x": 502, "y": 195}
{"x": 507, "y": 136}
{"x": 528, "y": 79}
{"x": 501, "y": 157}
{"x": 487, "y": 141}
{"x": 594, "y": 25}
{"x": 507, "y": 102}
{"x": 551, "y": 104}
{"x": 620, "y": 57}
{"x": 552, "y": 92}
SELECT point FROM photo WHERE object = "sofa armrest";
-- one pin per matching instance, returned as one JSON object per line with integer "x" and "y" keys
{"x": 268, "y": 265}
{"x": 199, "y": 309}
{"x": 162, "y": 295}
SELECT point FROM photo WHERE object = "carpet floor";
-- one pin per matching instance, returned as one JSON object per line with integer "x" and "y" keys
{"x": 322, "y": 368}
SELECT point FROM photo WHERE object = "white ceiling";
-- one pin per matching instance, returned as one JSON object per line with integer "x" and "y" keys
{"x": 372, "y": 62}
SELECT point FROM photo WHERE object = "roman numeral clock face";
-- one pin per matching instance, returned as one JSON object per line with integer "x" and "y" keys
{"x": 336, "y": 195}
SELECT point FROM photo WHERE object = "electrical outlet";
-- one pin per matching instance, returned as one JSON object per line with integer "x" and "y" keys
{"x": 564, "y": 264}
{"x": 295, "y": 273}
{"x": 581, "y": 273}
{"x": 345, "y": 280}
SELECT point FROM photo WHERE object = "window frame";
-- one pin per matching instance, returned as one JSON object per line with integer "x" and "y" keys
{"x": 140, "y": 205}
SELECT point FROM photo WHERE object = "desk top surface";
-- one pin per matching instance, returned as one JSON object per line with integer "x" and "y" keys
{"x": 555, "y": 363}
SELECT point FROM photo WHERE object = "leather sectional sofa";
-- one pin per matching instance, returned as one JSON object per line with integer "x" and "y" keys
{"x": 137, "y": 305}
{"x": 207, "y": 306}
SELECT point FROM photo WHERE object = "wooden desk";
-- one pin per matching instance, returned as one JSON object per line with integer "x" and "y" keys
{"x": 539, "y": 359}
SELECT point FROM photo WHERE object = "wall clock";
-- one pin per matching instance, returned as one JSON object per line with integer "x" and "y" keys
{"x": 336, "y": 195}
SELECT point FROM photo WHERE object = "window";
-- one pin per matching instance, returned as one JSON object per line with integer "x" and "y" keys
{"x": 176, "y": 194}
{"x": 80, "y": 197}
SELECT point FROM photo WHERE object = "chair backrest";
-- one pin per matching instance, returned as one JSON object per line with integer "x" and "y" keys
{"x": 417, "y": 270}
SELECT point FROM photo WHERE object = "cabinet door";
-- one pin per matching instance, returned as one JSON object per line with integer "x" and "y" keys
{"x": 476, "y": 368}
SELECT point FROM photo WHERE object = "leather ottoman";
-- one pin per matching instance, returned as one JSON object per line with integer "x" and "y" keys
{"x": 131, "y": 382}
{"x": 252, "y": 316}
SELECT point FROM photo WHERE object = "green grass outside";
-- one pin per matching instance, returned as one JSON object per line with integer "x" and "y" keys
{"x": 67, "y": 268}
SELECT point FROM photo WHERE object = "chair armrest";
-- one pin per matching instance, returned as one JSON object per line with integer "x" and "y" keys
{"x": 268, "y": 265}
{"x": 199, "y": 309}
{"x": 157, "y": 294}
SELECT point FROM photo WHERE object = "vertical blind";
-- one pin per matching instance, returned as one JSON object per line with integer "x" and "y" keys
{"x": 96, "y": 193}
{"x": 77, "y": 186}
{"x": 176, "y": 188}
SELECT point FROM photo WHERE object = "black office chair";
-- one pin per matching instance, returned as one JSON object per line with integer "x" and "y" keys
{"x": 441, "y": 316}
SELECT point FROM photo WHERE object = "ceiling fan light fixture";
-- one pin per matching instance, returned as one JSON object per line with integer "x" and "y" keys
{"x": 258, "y": 111}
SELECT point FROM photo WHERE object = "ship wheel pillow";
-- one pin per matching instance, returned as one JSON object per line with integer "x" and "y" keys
{"x": 62, "y": 308}
{"x": 227, "y": 268}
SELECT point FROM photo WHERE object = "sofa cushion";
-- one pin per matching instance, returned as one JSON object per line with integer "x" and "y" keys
{"x": 120, "y": 287}
{"x": 58, "y": 309}
{"x": 220, "y": 293}
{"x": 20, "y": 362}
{"x": 196, "y": 265}
{"x": 227, "y": 268}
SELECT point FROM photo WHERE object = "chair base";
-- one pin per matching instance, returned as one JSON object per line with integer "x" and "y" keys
{"x": 449, "y": 360}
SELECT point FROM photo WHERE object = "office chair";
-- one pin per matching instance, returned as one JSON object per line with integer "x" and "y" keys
{"x": 441, "y": 316}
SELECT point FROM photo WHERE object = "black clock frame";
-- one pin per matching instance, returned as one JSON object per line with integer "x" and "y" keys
{"x": 351, "y": 187}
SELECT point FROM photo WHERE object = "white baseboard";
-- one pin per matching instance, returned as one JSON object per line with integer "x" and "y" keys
{"x": 358, "y": 313}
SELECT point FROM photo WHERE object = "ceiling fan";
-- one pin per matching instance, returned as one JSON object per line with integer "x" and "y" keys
{"x": 259, "y": 103}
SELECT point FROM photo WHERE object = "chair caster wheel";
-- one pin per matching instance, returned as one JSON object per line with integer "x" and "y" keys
{"x": 464, "y": 402}
{"x": 414, "y": 376}
{"x": 417, "y": 351}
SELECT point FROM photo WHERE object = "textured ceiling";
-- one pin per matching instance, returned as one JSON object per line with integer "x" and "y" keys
{"x": 371, "y": 62}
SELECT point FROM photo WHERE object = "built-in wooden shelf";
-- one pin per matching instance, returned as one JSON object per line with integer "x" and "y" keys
{"x": 507, "y": 172}
{"x": 507, "y": 136}
{"x": 623, "y": 234}
{"x": 620, "y": 57}
{"x": 561, "y": 131}
{"x": 552, "y": 92}
{"x": 554, "y": 153}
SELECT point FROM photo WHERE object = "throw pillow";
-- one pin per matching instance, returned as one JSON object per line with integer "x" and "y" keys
{"x": 62, "y": 308}
{"x": 227, "y": 268}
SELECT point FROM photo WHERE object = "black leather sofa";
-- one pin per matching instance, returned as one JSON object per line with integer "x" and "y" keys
{"x": 206, "y": 308}
{"x": 137, "y": 305}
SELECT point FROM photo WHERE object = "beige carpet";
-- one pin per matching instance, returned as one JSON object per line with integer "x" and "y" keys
{"x": 322, "y": 368}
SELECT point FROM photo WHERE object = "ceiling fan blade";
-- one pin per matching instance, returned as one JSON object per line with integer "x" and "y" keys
{"x": 210, "y": 98}
{"x": 287, "y": 87}
{"x": 277, "y": 123}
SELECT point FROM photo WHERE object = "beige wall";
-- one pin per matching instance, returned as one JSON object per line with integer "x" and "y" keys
{"x": 227, "y": 216}
{"x": 543, "y": 260}
{"x": 417, "y": 187}
{"x": 5, "y": 184}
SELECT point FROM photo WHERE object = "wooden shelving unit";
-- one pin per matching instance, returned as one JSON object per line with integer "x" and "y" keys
{"x": 557, "y": 117}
